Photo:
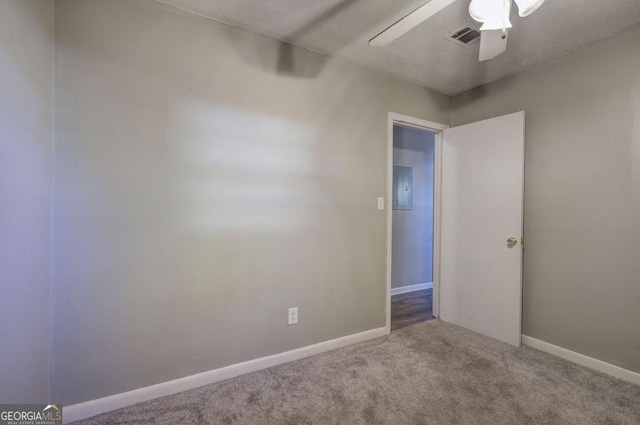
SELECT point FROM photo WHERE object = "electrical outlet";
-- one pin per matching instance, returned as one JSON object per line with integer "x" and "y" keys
{"x": 293, "y": 315}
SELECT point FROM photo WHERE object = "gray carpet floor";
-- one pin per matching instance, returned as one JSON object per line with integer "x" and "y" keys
{"x": 429, "y": 373}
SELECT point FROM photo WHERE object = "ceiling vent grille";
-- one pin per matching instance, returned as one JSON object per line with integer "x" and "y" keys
{"x": 465, "y": 37}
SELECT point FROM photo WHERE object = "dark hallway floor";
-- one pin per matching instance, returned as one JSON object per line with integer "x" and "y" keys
{"x": 411, "y": 308}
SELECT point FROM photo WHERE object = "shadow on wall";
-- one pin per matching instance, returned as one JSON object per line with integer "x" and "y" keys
{"x": 15, "y": 59}
{"x": 291, "y": 60}
{"x": 286, "y": 56}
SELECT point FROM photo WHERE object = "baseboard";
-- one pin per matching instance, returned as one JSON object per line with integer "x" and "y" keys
{"x": 411, "y": 288}
{"x": 581, "y": 359}
{"x": 90, "y": 408}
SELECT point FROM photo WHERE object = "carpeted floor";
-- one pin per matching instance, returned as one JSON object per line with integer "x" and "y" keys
{"x": 429, "y": 373}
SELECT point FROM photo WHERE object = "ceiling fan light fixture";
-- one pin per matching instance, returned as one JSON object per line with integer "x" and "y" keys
{"x": 527, "y": 7}
{"x": 493, "y": 14}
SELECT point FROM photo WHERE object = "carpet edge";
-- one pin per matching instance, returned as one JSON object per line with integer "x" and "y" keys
{"x": 583, "y": 360}
{"x": 106, "y": 404}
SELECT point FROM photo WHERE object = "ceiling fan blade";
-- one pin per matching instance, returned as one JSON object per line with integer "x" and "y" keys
{"x": 492, "y": 44}
{"x": 410, "y": 21}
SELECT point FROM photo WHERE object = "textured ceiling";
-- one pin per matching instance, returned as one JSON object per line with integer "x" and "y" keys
{"x": 342, "y": 29}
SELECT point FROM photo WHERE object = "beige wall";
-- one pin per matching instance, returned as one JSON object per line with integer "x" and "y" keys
{"x": 206, "y": 180}
{"x": 26, "y": 87}
{"x": 412, "y": 242}
{"x": 582, "y": 195}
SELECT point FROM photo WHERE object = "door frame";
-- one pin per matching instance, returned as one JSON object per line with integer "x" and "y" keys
{"x": 436, "y": 128}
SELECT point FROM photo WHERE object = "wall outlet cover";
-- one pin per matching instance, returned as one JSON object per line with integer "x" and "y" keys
{"x": 293, "y": 315}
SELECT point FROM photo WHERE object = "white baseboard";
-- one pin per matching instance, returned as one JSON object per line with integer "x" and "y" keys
{"x": 411, "y": 288}
{"x": 581, "y": 359}
{"x": 90, "y": 408}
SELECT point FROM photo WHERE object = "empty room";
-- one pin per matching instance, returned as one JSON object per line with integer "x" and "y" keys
{"x": 320, "y": 212}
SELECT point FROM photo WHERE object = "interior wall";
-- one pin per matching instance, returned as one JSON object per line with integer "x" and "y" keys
{"x": 207, "y": 179}
{"x": 26, "y": 84}
{"x": 412, "y": 237}
{"x": 582, "y": 195}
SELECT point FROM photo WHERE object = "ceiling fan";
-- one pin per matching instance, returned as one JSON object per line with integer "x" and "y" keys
{"x": 493, "y": 14}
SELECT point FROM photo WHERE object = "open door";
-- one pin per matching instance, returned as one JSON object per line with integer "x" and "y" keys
{"x": 481, "y": 226}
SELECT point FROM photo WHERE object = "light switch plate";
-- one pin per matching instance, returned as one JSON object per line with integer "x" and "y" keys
{"x": 380, "y": 203}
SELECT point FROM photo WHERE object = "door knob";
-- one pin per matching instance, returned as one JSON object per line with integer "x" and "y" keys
{"x": 512, "y": 241}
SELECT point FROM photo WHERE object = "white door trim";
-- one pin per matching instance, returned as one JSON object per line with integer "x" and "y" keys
{"x": 407, "y": 121}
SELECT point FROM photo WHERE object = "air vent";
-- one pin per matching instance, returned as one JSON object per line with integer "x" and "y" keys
{"x": 465, "y": 37}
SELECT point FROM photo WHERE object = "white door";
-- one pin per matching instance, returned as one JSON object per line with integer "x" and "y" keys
{"x": 482, "y": 207}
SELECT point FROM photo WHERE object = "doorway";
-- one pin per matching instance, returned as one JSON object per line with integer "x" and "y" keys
{"x": 433, "y": 134}
{"x": 478, "y": 221}
{"x": 412, "y": 217}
